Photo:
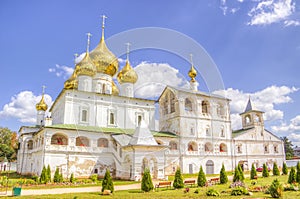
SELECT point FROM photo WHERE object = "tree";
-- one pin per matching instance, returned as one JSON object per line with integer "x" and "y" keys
{"x": 253, "y": 172}
{"x": 72, "y": 179}
{"x": 237, "y": 175}
{"x": 107, "y": 183}
{"x": 284, "y": 169}
{"x": 201, "y": 178}
{"x": 292, "y": 176}
{"x": 288, "y": 148}
{"x": 265, "y": 172}
{"x": 241, "y": 172}
{"x": 223, "y": 175}
{"x": 43, "y": 177}
{"x": 8, "y": 144}
{"x": 48, "y": 173}
{"x": 298, "y": 172}
{"x": 56, "y": 177}
{"x": 178, "y": 181}
{"x": 276, "y": 189}
{"x": 275, "y": 169}
{"x": 147, "y": 184}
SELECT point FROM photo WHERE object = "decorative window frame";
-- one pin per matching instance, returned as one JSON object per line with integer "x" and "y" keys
{"x": 81, "y": 115}
{"x": 114, "y": 112}
{"x": 137, "y": 115}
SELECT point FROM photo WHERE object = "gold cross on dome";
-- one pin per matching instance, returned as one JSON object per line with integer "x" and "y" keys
{"x": 88, "y": 41}
{"x": 103, "y": 20}
{"x": 43, "y": 89}
{"x": 128, "y": 45}
{"x": 191, "y": 56}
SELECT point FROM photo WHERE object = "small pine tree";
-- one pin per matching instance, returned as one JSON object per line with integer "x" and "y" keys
{"x": 253, "y": 172}
{"x": 56, "y": 177}
{"x": 298, "y": 172}
{"x": 237, "y": 175}
{"x": 223, "y": 175}
{"x": 276, "y": 189}
{"x": 292, "y": 176}
{"x": 201, "y": 178}
{"x": 265, "y": 172}
{"x": 241, "y": 172}
{"x": 284, "y": 169}
{"x": 107, "y": 183}
{"x": 147, "y": 184}
{"x": 275, "y": 169}
{"x": 61, "y": 178}
{"x": 72, "y": 179}
{"x": 48, "y": 174}
{"x": 178, "y": 181}
{"x": 43, "y": 177}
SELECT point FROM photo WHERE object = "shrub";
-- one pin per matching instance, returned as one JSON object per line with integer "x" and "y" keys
{"x": 275, "y": 169}
{"x": 212, "y": 192}
{"x": 57, "y": 177}
{"x": 178, "y": 181}
{"x": 238, "y": 191}
{"x": 196, "y": 191}
{"x": 94, "y": 177}
{"x": 237, "y": 175}
{"x": 48, "y": 173}
{"x": 147, "y": 184}
{"x": 298, "y": 172}
{"x": 253, "y": 172}
{"x": 265, "y": 172}
{"x": 223, "y": 175}
{"x": 290, "y": 187}
{"x": 292, "y": 176}
{"x": 35, "y": 178}
{"x": 276, "y": 189}
{"x": 201, "y": 178}
{"x": 43, "y": 177}
{"x": 72, "y": 179}
{"x": 284, "y": 169}
{"x": 107, "y": 183}
{"x": 241, "y": 172}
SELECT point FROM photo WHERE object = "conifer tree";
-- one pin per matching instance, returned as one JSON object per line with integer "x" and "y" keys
{"x": 275, "y": 169}
{"x": 61, "y": 178}
{"x": 56, "y": 177}
{"x": 48, "y": 174}
{"x": 223, "y": 175}
{"x": 147, "y": 184}
{"x": 72, "y": 179}
{"x": 292, "y": 176}
{"x": 253, "y": 172}
{"x": 178, "y": 181}
{"x": 43, "y": 177}
{"x": 241, "y": 172}
{"x": 265, "y": 172}
{"x": 201, "y": 178}
{"x": 107, "y": 183}
{"x": 284, "y": 169}
{"x": 237, "y": 175}
{"x": 298, "y": 172}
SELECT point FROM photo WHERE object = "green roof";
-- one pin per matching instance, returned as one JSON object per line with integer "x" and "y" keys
{"x": 239, "y": 132}
{"x": 107, "y": 130}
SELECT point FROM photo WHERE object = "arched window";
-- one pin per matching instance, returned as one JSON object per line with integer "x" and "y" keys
{"x": 192, "y": 146}
{"x": 208, "y": 147}
{"x": 205, "y": 107}
{"x": 188, "y": 105}
{"x": 30, "y": 144}
{"x": 222, "y": 132}
{"x": 207, "y": 131}
{"x": 111, "y": 118}
{"x": 220, "y": 110}
{"x": 172, "y": 102}
{"x": 239, "y": 148}
{"x": 247, "y": 119}
{"x": 159, "y": 142}
{"x": 102, "y": 142}
{"x": 223, "y": 147}
{"x": 84, "y": 114}
{"x": 257, "y": 118}
{"x": 59, "y": 139}
{"x": 82, "y": 141}
{"x": 173, "y": 145}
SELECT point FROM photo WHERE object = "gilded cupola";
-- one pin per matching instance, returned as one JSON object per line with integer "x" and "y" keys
{"x": 42, "y": 106}
{"x": 86, "y": 66}
{"x": 72, "y": 82}
{"x": 192, "y": 72}
{"x": 127, "y": 74}
{"x": 104, "y": 60}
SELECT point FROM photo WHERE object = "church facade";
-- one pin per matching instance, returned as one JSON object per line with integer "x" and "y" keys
{"x": 96, "y": 125}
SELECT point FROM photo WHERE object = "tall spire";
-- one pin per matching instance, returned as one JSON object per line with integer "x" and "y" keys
{"x": 88, "y": 41}
{"x": 103, "y": 25}
{"x": 249, "y": 105}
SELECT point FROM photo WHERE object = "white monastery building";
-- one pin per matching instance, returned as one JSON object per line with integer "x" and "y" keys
{"x": 95, "y": 125}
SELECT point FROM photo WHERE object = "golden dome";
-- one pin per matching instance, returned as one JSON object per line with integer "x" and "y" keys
{"x": 127, "y": 74}
{"x": 72, "y": 82}
{"x": 104, "y": 60}
{"x": 86, "y": 66}
{"x": 41, "y": 106}
{"x": 115, "y": 90}
{"x": 192, "y": 73}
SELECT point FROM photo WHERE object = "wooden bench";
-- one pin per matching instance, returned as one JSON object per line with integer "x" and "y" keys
{"x": 163, "y": 184}
{"x": 214, "y": 180}
{"x": 255, "y": 177}
{"x": 189, "y": 182}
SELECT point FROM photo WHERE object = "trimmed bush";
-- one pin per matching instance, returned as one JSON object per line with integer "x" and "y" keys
{"x": 212, "y": 192}
{"x": 238, "y": 191}
{"x": 94, "y": 177}
{"x": 284, "y": 169}
{"x": 265, "y": 172}
{"x": 298, "y": 172}
{"x": 276, "y": 189}
{"x": 178, "y": 181}
{"x": 223, "y": 175}
{"x": 147, "y": 184}
{"x": 72, "y": 179}
{"x": 237, "y": 175}
{"x": 253, "y": 172}
{"x": 241, "y": 172}
{"x": 107, "y": 183}
{"x": 48, "y": 172}
{"x": 275, "y": 169}
{"x": 43, "y": 177}
{"x": 292, "y": 176}
{"x": 57, "y": 176}
{"x": 201, "y": 178}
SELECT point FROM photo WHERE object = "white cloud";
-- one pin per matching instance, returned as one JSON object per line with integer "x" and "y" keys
{"x": 271, "y": 11}
{"x": 153, "y": 77}
{"x": 264, "y": 100}
{"x": 62, "y": 71}
{"x": 291, "y": 23}
{"x": 22, "y": 107}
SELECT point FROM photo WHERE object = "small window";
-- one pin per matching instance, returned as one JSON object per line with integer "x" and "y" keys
{"x": 207, "y": 131}
{"x": 173, "y": 145}
{"x": 111, "y": 118}
{"x": 192, "y": 131}
{"x": 275, "y": 149}
{"x": 188, "y": 105}
{"x": 239, "y": 148}
{"x": 84, "y": 115}
{"x": 266, "y": 148}
{"x": 222, "y": 132}
{"x": 30, "y": 144}
{"x": 96, "y": 171}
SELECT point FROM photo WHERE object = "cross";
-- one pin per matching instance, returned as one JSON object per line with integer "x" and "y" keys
{"x": 43, "y": 88}
{"x": 191, "y": 55}
{"x": 88, "y": 41}
{"x": 103, "y": 20}
{"x": 127, "y": 44}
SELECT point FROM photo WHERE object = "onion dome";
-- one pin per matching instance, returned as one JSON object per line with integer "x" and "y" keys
{"x": 41, "y": 106}
{"x": 192, "y": 72}
{"x": 127, "y": 74}
{"x": 72, "y": 82}
{"x": 114, "y": 89}
{"x": 104, "y": 60}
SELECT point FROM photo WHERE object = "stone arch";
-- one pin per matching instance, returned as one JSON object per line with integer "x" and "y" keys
{"x": 128, "y": 167}
{"x": 188, "y": 104}
{"x": 208, "y": 147}
{"x": 59, "y": 139}
{"x": 145, "y": 164}
{"x": 82, "y": 141}
{"x": 192, "y": 146}
{"x": 153, "y": 167}
{"x": 172, "y": 102}
{"x": 102, "y": 142}
{"x": 223, "y": 147}
{"x": 30, "y": 144}
{"x": 173, "y": 145}
{"x": 209, "y": 167}
{"x": 205, "y": 107}
{"x": 247, "y": 119}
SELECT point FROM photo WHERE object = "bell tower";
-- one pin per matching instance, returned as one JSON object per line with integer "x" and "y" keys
{"x": 251, "y": 117}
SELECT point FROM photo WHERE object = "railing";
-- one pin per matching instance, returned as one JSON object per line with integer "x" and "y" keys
{"x": 76, "y": 149}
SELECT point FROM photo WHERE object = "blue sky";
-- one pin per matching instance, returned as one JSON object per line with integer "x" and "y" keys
{"x": 254, "y": 43}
